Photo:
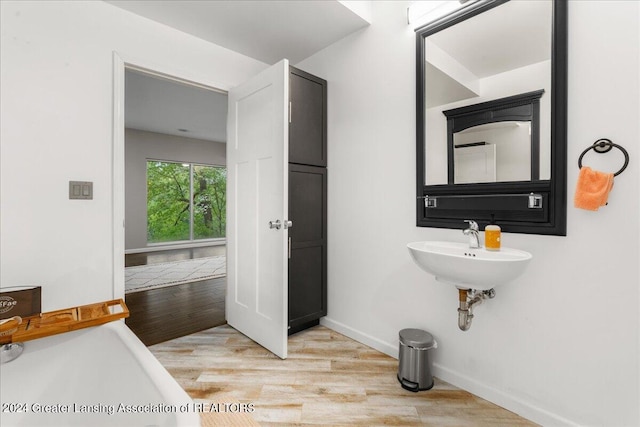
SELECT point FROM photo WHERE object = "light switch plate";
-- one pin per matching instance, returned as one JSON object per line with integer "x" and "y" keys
{"x": 80, "y": 190}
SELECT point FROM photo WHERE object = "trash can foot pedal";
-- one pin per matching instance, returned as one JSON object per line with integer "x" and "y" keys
{"x": 411, "y": 386}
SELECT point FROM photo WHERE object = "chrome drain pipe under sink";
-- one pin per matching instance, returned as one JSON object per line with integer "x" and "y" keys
{"x": 468, "y": 299}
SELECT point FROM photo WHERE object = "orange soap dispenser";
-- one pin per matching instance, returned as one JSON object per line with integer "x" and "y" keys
{"x": 492, "y": 236}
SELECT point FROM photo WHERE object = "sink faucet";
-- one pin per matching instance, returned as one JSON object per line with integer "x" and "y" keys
{"x": 472, "y": 232}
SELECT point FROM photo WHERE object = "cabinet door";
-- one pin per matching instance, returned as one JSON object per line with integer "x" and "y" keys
{"x": 308, "y": 253}
{"x": 308, "y": 117}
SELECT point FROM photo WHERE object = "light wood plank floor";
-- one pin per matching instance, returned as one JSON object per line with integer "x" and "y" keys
{"x": 328, "y": 379}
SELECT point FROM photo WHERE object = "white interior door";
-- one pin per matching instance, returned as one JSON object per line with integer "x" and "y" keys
{"x": 257, "y": 200}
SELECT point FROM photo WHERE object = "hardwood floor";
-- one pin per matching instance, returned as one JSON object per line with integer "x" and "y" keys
{"x": 162, "y": 314}
{"x": 327, "y": 380}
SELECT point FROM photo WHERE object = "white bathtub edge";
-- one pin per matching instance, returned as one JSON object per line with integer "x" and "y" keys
{"x": 168, "y": 387}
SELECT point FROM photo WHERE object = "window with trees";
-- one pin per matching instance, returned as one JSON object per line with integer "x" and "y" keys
{"x": 185, "y": 201}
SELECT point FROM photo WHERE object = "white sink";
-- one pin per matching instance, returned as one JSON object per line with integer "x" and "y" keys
{"x": 465, "y": 268}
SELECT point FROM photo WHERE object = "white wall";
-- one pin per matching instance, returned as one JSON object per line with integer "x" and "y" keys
{"x": 559, "y": 345}
{"x": 57, "y": 123}
{"x": 141, "y": 146}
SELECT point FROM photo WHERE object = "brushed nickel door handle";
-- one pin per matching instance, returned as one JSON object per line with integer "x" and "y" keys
{"x": 275, "y": 224}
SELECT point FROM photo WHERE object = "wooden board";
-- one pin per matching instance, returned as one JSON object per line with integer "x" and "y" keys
{"x": 66, "y": 320}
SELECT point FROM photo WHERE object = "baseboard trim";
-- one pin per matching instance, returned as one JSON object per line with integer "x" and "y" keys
{"x": 169, "y": 247}
{"x": 500, "y": 398}
{"x": 361, "y": 337}
{"x": 492, "y": 394}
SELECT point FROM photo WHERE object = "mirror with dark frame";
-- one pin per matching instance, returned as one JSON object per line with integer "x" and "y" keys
{"x": 491, "y": 116}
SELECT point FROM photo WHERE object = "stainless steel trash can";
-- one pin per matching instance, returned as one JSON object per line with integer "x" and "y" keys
{"x": 414, "y": 363}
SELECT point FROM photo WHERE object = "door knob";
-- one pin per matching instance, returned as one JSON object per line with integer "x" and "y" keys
{"x": 275, "y": 224}
{"x": 288, "y": 224}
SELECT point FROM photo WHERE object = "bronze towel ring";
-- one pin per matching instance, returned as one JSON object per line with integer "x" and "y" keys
{"x": 605, "y": 145}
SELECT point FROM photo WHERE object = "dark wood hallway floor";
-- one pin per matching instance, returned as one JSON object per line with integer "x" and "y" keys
{"x": 158, "y": 315}
{"x": 163, "y": 314}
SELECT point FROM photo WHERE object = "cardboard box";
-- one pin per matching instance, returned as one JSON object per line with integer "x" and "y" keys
{"x": 23, "y": 301}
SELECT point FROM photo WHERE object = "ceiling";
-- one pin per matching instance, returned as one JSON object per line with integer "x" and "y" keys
{"x": 267, "y": 31}
{"x": 165, "y": 106}
{"x": 513, "y": 35}
{"x": 507, "y": 37}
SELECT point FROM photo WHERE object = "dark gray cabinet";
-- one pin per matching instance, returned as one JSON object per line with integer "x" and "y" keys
{"x": 307, "y": 200}
{"x": 308, "y": 119}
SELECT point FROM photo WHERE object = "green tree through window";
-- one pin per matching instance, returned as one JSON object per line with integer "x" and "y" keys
{"x": 209, "y": 202}
{"x": 185, "y": 201}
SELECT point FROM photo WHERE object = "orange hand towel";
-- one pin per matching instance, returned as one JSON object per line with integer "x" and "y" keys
{"x": 592, "y": 189}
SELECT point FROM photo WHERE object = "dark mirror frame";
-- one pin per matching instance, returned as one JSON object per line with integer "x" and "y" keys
{"x": 533, "y": 207}
{"x": 524, "y": 107}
